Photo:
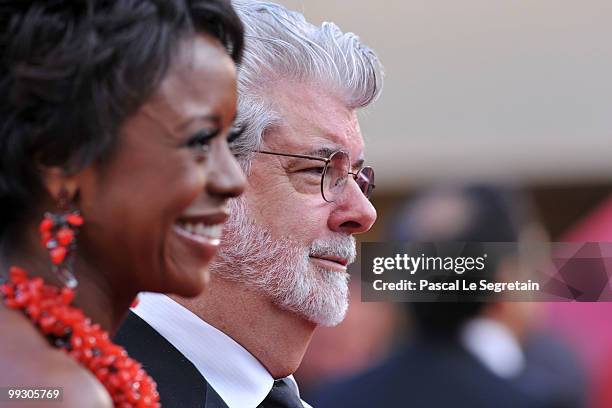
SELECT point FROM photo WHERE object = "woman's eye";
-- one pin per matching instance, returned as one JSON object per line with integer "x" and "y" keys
{"x": 234, "y": 134}
{"x": 201, "y": 140}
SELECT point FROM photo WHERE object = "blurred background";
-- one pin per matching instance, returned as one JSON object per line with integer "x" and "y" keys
{"x": 512, "y": 95}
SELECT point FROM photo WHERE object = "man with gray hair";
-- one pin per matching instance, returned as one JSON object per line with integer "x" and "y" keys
{"x": 281, "y": 269}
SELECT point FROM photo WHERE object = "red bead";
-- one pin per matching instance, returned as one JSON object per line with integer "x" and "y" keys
{"x": 46, "y": 324}
{"x": 76, "y": 342}
{"x": 90, "y": 341}
{"x": 102, "y": 374}
{"x": 75, "y": 220}
{"x": 33, "y": 311}
{"x": 113, "y": 381}
{"x": 108, "y": 360}
{"x": 65, "y": 236}
{"x": 18, "y": 275}
{"x": 67, "y": 295}
{"x": 146, "y": 401}
{"x": 22, "y": 298}
{"x": 59, "y": 330}
{"x": 12, "y": 304}
{"x": 58, "y": 255}
{"x": 7, "y": 290}
{"x": 37, "y": 284}
{"x": 87, "y": 354}
{"x": 124, "y": 376}
{"x": 133, "y": 396}
{"x": 46, "y": 237}
{"x": 45, "y": 225}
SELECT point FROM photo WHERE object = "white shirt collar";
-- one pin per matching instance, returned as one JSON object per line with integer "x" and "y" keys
{"x": 495, "y": 346}
{"x": 239, "y": 379}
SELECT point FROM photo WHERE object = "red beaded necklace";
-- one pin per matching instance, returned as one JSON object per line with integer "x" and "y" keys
{"x": 66, "y": 327}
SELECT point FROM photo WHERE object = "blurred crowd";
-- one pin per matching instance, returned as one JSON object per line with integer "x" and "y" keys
{"x": 499, "y": 353}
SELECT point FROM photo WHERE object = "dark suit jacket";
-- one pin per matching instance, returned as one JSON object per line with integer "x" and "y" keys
{"x": 179, "y": 383}
{"x": 427, "y": 374}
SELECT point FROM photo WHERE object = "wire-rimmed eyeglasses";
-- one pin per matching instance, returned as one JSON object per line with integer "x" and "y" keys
{"x": 335, "y": 173}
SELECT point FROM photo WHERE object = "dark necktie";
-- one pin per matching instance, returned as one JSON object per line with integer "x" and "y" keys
{"x": 282, "y": 396}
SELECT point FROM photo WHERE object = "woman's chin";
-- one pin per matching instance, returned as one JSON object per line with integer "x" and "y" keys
{"x": 186, "y": 280}
{"x": 187, "y": 264}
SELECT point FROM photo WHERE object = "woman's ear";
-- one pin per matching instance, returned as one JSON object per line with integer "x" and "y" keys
{"x": 59, "y": 183}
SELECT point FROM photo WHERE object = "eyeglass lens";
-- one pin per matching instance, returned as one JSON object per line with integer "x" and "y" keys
{"x": 365, "y": 180}
{"x": 336, "y": 176}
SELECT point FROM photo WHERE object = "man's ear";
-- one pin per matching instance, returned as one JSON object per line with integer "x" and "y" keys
{"x": 57, "y": 181}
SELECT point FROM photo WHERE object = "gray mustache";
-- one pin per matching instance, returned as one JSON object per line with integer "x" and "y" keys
{"x": 342, "y": 247}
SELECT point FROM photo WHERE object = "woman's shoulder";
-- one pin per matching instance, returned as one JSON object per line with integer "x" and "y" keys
{"x": 29, "y": 361}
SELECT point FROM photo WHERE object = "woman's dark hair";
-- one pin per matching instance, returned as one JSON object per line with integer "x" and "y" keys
{"x": 72, "y": 71}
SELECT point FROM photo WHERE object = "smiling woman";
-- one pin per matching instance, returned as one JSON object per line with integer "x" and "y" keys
{"x": 115, "y": 123}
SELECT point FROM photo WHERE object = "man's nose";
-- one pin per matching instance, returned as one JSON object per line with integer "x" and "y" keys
{"x": 225, "y": 179}
{"x": 354, "y": 213}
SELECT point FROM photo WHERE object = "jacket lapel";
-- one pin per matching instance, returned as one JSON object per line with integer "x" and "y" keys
{"x": 213, "y": 400}
{"x": 179, "y": 383}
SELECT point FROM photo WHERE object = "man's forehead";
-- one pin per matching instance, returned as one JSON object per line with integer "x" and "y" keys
{"x": 312, "y": 117}
{"x": 315, "y": 138}
{"x": 319, "y": 146}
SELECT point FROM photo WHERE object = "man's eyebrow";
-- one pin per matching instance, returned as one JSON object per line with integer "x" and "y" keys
{"x": 325, "y": 152}
{"x": 358, "y": 164}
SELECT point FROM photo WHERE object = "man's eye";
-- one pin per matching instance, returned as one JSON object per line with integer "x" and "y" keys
{"x": 313, "y": 170}
{"x": 201, "y": 139}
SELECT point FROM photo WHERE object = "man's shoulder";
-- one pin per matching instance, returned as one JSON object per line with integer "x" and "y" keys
{"x": 133, "y": 329}
{"x": 179, "y": 382}
{"x": 151, "y": 349}
{"x": 147, "y": 346}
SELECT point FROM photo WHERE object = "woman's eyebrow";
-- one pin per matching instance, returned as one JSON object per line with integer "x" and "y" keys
{"x": 209, "y": 118}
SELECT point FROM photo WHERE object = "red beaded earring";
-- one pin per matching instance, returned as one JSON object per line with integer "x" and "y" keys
{"x": 58, "y": 234}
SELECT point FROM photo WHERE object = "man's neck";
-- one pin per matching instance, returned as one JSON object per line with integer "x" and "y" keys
{"x": 277, "y": 338}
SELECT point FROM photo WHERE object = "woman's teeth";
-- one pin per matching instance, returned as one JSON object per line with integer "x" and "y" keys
{"x": 202, "y": 230}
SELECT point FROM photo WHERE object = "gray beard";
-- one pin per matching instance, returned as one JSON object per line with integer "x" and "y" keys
{"x": 281, "y": 270}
